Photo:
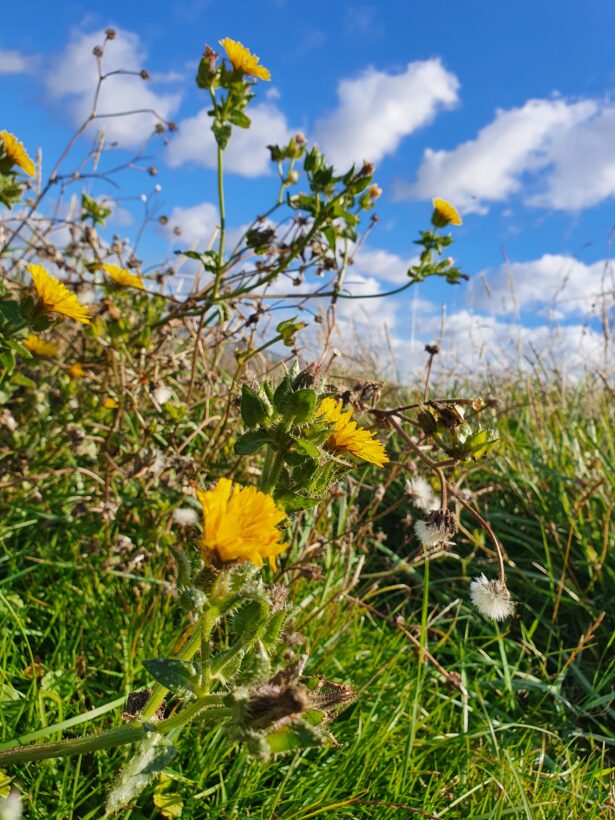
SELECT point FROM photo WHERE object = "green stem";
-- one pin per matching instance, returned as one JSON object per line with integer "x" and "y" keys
{"x": 132, "y": 732}
{"x": 77, "y": 745}
{"x": 269, "y": 481}
{"x": 189, "y": 650}
{"x": 220, "y": 270}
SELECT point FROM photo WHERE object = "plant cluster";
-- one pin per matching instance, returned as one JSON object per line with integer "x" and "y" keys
{"x": 114, "y": 338}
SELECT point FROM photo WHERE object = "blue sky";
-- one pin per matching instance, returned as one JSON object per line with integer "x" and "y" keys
{"x": 504, "y": 108}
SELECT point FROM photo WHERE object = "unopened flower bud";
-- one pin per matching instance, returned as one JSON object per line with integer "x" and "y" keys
{"x": 144, "y": 74}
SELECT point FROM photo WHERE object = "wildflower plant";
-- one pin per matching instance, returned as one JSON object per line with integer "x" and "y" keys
{"x": 235, "y": 670}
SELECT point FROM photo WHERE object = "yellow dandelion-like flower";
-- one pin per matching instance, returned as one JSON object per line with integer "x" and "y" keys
{"x": 56, "y": 297}
{"x": 240, "y": 523}
{"x": 109, "y": 403}
{"x": 445, "y": 213}
{"x": 39, "y": 346}
{"x": 123, "y": 277}
{"x": 76, "y": 371}
{"x": 348, "y": 437}
{"x": 243, "y": 60}
{"x": 15, "y": 151}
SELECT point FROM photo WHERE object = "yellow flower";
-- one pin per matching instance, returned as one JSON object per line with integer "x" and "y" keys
{"x": 75, "y": 371}
{"x": 240, "y": 523}
{"x": 17, "y": 153}
{"x": 348, "y": 437}
{"x": 243, "y": 60}
{"x": 39, "y": 346}
{"x": 124, "y": 277}
{"x": 109, "y": 403}
{"x": 56, "y": 297}
{"x": 444, "y": 213}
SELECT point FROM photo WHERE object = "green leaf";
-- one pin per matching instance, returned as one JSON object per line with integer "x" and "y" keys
{"x": 10, "y": 312}
{"x": 240, "y": 119}
{"x": 173, "y": 674}
{"x": 293, "y": 502}
{"x": 253, "y": 410}
{"x": 151, "y": 757}
{"x": 23, "y": 381}
{"x": 251, "y": 441}
{"x": 301, "y": 405}
{"x": 282, "y": 394}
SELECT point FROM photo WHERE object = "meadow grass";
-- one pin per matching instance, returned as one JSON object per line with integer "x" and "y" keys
{"x": 532, "y": 734}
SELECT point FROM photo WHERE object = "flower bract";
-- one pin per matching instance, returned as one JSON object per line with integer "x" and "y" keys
{"x": 240, "y": 523}
{"x": 348, "y": 437}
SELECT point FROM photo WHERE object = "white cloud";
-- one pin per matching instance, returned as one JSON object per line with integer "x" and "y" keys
{"x": 198, "y": 225}
{"x": 582, "y": 171}
{"x": 246, "y": 153}
{"x": 377, "y": 110}
{"x": 74, "y": 75}
{"x": 14, "y": 62}
{"x": 381, "y": 264}
{"x": 558, "y": 285}
{"x": 490, "y": 167}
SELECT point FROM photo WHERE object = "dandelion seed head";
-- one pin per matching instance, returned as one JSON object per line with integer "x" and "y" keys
{"x": 491, "y": 598}
{"x": 422, "y": 494}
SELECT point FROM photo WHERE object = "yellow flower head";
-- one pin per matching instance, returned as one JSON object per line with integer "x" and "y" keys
{"x": 15, "y": 151}
{"x": 56, "y": 297}
{"x": 243, "y": 60}
{"x": 39, "y": 346}
{"x": 348, "y": 437}
{"x": 240, "y": 523}
{"x": 444, "y": 213}
{"x": 76, "y": 371}
{"x": 124, "y": 277}
{"x": 109, "y": 403}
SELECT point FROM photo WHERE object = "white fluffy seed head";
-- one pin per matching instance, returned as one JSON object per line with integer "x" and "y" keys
{"x": 185, "y": 516}
{"x": 491, "y": 598}
{"x": 422, "y": 495}
{"x": 428, "y": 534}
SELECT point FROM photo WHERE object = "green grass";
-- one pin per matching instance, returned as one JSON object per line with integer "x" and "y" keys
{"x": 533, "y": 738}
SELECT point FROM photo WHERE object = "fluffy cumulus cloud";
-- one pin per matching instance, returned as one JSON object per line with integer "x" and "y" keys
{"x": 14, "y": 62}
{"x": 383, "y": 265}
{"x": 377, "y": 110}
{"x": 555, "y": 285}
{"x": 474, "y": 342}
{"x": 582, "y": 164}
{"x": 491, "y": 167}
{"x": 197, "y": 225}
{"x": 247, "y": 152}
{"x": 73, "y": 76}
